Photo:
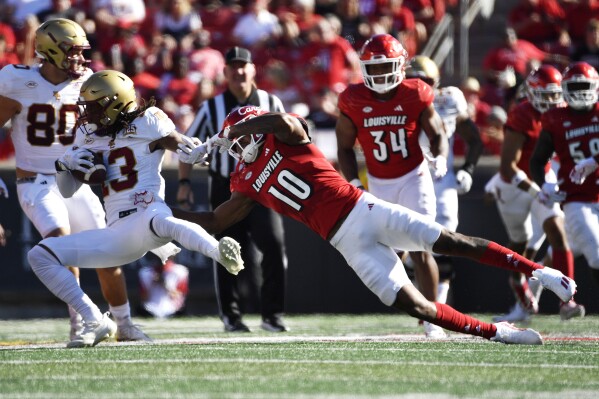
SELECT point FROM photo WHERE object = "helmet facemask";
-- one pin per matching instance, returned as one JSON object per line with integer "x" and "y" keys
{"x": 247, "y": 148}
{"x": 580, "y": 93}
{"x": 543, "y": 99}
{"x": 384, "y": 82}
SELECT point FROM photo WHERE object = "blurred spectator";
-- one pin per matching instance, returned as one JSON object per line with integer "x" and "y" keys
{"x": 176, "y": 88}
{"x": 426, "y": 12}
{"x": 178, "y": 19}
{"x": 588, "y": 50}
{"x": 18, "y": 11}
{"x": 163, "y": 288}
{"x": 279, "y": 81}
{"x": 9, "y": 36}
{"x": 540, "y": 22}
{"x": 330, "y": 62}
{"x": 257, "y": 26}
{"x": 355, "y": 27}
{"x": 112, "y": 13}
{"x": 218, "y": 18}
{"x": 63, "y": 9}
{"x": 578, "y": 14}
{"x": 205, "y": 62}
{"x": 305, "y": 16}
{"x": 506, "y": 66}
{"x": 160, "y": 54}
{"x": 398, "y": 20}
{"x": 146, "y": 83}
{"x": 6, "y": 57}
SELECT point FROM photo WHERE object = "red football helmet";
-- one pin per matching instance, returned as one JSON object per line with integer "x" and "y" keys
{"x": 544, "y": 88}
{"x": 580, "y": 84}
{"x": 383, "y": 49}
{"x": 244, "y": 148}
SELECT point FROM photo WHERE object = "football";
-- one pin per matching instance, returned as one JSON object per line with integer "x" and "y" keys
{"x": 96, "y": 174}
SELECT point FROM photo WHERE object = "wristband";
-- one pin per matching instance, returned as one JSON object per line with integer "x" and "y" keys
{"x": 534, "y": 190}
{"x": 519, "y": 177}
{"x": 356, "y": 182}
{"x": 184, "y": 181}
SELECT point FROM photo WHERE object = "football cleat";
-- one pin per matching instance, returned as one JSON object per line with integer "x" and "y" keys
{"x": 570, "y": 310}
{"x": 517, "y": 313}
{"x": 273, "y": 324}
{"x": 235, "y": 325}
{"x": 94, "y": 332}
{"x": 433, "y": 331}
{"x": 508, "y": 334}
{"x": 555, "y": 281}
{"x": 131, "y": 332}
{"x": 229, "y": 255}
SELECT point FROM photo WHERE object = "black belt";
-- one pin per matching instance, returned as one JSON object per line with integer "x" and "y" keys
{"x": 22, "y": 180}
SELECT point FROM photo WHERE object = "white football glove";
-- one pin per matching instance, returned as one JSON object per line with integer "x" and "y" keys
{"x": 192, "y": 150}
{"x": 220, "y": 140}
{"x": 3, "y": 188}
{"x": 76, "y": 158}
{"x": 439, "y": 165}
{"x": 464, "y": 180}
{"x": 550, "y": 194}
{"x": 582, "y": 169}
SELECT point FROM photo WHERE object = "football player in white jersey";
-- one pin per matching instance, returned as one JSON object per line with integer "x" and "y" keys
{"x": 41, "y": 102}
{"x": 452, "y": 107}
{"x": 132, "y": 139}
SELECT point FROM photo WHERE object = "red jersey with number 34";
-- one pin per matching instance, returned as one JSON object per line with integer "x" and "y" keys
{"x": 575, "y": 137}
{"x": 388, "y": 130}
{"x": 299, "y": 182}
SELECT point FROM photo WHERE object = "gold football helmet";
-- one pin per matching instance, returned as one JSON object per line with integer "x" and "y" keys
{"x": 106, "y": 97}
{"x": 424, "y": 68}
{"x": 60, "y": 41}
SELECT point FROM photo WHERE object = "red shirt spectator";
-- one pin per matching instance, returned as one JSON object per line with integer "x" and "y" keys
{"x": 538, "y": 21}
{"x": 578, "y": 15}
{"x": 9, "y": 36}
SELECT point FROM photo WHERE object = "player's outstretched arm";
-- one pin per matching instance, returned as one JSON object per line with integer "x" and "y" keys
{"x": 288, "y": 128}
{"x": 8, "y": 109}
{"x": 346, "y": 133}
{"x": 234, "y": 210}
{"x": 540, "y": 156}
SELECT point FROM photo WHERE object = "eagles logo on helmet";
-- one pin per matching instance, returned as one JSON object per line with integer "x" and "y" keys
{"x": 543, "y": 88}
{"x": 383, "y": 49}
{"x": 580, "y": 83}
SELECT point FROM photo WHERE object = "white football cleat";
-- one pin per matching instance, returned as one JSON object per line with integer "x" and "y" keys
{"x": 131, "y": 332}
{"x": 229, "y": 255}
{"x": 554, "y": 280}
{"x": 570, "y": 310}
{"x": 76, "y": 327}
{"x": 508, "y": 334}
{"x": 517, "y": 313}
{"x": 433, "y": 331}
{"x": 95, "y": 332}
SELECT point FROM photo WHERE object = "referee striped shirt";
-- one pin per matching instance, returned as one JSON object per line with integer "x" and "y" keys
{"x": 209, "y": 121}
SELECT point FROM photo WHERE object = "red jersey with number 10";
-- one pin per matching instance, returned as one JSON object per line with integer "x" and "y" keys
{"x": 388, "y": 130}
{"x": 299, "y": 182}
{"x": 575, "y": 137}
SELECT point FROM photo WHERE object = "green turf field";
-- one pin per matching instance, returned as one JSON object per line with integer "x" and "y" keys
{"x": 323, "y": 356}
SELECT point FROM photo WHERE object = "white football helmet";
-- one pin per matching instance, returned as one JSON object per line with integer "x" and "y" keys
{"x": 580, "y": 84}
{"x": 383, "y": 49}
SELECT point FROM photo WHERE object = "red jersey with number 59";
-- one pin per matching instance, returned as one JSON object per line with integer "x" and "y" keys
{"x": 299, "y": 182}
{"x": 575, "y": 137}
{"x": 388, "y": 130}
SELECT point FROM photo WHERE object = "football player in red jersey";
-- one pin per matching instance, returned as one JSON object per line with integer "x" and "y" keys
{"x": 573, "y": 133}
{"x": 281, "y": 169}
{"x": 529, "y": 212}
{"x": 386, "y": 115}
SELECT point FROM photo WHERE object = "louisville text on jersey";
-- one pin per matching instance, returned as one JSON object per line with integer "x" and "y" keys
{"x": 273, "y": 162}
{"x": 385, "y": 120}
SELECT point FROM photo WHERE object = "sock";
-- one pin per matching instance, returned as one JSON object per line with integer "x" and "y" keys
{"x": 450, "y": 319}
{"x": 121, "y": 313}
{"x": 502, "y": 257}
{"x": 192, "y": 236}
{"x": 74, "y": 317}
{"x": 523, "y": 293}
{"x": 564, "y": 262}
{"x": 442, "y": 291}
{"x": 62, "y": 283}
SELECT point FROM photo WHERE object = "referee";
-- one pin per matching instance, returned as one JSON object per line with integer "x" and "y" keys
{"x": 263, "y": 228}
